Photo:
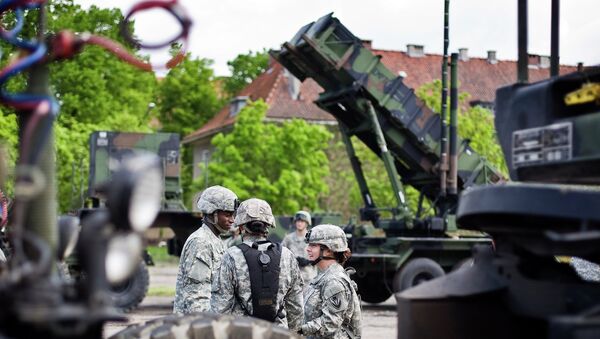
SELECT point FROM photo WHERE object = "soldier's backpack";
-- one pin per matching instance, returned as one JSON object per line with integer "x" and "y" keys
{"x": 264, "y": 267}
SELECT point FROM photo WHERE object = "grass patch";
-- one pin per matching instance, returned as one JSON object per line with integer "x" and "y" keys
{"x": 161, "y": 291}
{"x": 160, "y": 255}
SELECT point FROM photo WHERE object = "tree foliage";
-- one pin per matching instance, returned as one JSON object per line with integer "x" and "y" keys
{"x": 285, "y": 164}
{"x": 187, "y": 96}
{"x": 96, "y": 91}
{"x": 474, "y": 123}
{"x": 245, "y": 68}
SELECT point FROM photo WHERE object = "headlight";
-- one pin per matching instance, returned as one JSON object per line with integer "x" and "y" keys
{"x": 136, "y": 192}
{"x": 122, "y": 257}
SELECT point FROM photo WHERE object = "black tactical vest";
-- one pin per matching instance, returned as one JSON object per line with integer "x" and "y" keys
{"x": 264, "y": 278}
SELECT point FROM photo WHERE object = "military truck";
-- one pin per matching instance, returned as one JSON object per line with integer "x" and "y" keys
{"x": 107, "y": 150}
{"x": 373, "y": 104}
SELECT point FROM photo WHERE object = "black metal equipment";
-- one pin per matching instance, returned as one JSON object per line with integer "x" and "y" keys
{"x": 525, "y": 288}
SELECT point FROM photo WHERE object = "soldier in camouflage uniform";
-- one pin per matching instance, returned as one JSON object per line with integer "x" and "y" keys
{"x": 232, "y": 287}
{"x": 203, "y": 250}
{"x": 331, "y": 305}
{"x": 296, "y": 242}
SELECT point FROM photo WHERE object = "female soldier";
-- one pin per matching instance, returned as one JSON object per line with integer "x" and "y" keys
{"x": 331, "y": 305}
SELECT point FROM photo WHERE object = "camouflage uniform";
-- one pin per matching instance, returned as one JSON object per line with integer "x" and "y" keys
{"x": 297, "y": 245}
{"x": 233, "y": 240}
{"x": 331, "y": 306}
{"x": 231, "y": 290}
{"x": 199, "y": 260}
{"x": 202, "y": 253}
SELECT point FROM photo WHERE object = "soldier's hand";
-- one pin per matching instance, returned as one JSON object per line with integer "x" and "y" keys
{"x": 302, "y": 262}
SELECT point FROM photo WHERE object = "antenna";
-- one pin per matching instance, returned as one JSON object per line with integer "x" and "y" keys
{"x": 443, "y": 113}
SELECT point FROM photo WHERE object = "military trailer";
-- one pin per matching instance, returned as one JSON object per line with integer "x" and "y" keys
{"x": 373, "y": 104}
{"x": 107, "y": 150}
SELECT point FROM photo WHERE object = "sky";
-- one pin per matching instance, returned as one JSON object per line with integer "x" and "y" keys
{"x": 222, "y": 29}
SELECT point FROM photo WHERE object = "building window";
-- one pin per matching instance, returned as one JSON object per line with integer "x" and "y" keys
{"x": 236, "y": 104}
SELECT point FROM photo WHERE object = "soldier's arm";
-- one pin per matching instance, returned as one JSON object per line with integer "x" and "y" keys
{"x": 335, "y": 302}
{"x": 199, "y": 280}
{"x": 294, "y": 299}
{"x": 222, "y": 299}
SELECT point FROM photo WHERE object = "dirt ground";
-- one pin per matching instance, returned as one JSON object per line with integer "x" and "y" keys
{"x": 379, "y": 321}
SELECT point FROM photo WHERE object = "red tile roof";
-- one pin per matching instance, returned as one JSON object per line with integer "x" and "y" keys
{"x": 476, "y": 76}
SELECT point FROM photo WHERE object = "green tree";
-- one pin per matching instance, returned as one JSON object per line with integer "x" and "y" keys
{"x": 245, "y": 68}
{"x": 474, "y": 123}
{"x": 284, "y": 164}
{"x": 187, "y": 97}
{"x": 96, "y": 90}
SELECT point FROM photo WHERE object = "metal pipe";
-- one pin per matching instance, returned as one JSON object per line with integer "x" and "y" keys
{"x": 554, "y": 38}
{"x": 453, "y": 175}
{"x": 523, "y": 62}
{"x": 444, "y": 108}
{"x": 40, "y": 216}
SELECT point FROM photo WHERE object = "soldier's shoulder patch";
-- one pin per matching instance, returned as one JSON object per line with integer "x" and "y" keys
{"x": 336, "y": 301}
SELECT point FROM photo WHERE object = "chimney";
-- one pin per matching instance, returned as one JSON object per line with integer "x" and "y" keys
{"x": 463, "y": 54}
{"x": 368, "y": 44}
{"x": 533, "y": 61}
{"x": 544, "y": 61}
{"x": 491, "y": 57}
{"x": 415, "y": 51}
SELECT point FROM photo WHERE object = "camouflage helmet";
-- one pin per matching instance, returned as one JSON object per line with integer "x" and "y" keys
{"x": 217, "y": 198}
{"x": 254, "y": 210}
{"x": 302, "y": 215}
{"x": 329, "y": 235}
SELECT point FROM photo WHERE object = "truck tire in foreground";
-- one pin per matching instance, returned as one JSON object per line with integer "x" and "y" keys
{"x": 205, "y": 326}
{"x": 129, "y": 294}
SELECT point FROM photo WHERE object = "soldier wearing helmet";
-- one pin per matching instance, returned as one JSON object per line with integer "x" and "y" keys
{"x": 331, "y": 306}
{"x": 258, "y": 278}
{"x": 295, "y": 241}
{"x": 203, "y": 250}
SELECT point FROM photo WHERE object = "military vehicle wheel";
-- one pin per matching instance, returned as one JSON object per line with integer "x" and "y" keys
{"x": 373, "y": 292}
{"x": 205, "y": 325}
{"x": 416, "y": 271}
{"x": 129, "y": 294}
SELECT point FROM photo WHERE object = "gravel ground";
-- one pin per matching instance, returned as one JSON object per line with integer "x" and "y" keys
{"x": 379, "y": 321}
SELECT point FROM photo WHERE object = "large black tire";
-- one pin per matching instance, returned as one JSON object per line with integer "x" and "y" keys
{"x": 205, "y": 326}
{"x": 416, "y": 271}
{"x": 129, "y": 294}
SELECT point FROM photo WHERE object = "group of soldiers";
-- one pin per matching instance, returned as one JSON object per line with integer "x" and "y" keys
{"x": 263, "y": 279}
